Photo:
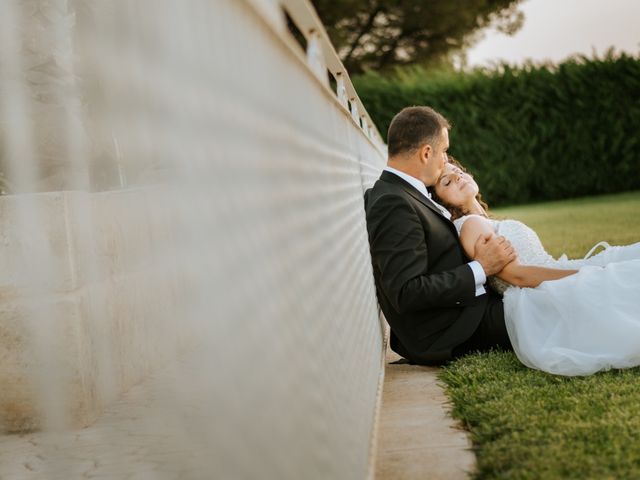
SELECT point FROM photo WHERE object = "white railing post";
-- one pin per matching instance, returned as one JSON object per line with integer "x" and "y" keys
{"x": 365, "y": 126}
{"x": 354, "y": 110}
{"x": 341, "y": 90}
{"x": 315, "y": 56}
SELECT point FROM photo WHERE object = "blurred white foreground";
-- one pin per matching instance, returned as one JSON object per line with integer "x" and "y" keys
{"x": 185, "y": 281}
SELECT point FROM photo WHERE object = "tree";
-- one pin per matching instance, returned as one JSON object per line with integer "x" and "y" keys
{"x": 377, "y": 34}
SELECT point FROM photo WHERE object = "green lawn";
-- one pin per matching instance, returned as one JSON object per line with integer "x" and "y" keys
{"x": 527, "y": 424}
{"x": 574, "y": 226}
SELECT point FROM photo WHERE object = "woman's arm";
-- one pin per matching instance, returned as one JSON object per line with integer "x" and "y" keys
{"x": 513, "y": 273}
{"x": 529, "y": 275}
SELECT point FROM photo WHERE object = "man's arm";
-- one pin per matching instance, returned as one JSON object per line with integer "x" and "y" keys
{"x": 399, "y": 250}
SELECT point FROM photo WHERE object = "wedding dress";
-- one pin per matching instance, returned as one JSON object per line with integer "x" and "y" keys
{"x": 579, "y": 324}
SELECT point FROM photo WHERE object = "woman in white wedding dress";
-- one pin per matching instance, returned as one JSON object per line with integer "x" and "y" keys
{"x": 567, "y": 317}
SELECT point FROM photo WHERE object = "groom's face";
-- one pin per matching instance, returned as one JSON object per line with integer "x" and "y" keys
{"x": 435, "y": 158}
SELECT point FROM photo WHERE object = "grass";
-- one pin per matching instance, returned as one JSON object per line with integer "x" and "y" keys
{"x": 527, "y": 424}
{"x": 574, "y": 226}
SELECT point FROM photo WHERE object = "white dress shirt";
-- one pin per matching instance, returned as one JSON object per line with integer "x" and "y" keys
{"x": 478, "y": 272}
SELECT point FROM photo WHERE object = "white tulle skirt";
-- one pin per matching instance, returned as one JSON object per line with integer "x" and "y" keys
{"x": 583, "y": 323}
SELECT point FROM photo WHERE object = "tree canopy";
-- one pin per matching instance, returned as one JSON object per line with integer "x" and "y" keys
{"x": 377, "y": 34}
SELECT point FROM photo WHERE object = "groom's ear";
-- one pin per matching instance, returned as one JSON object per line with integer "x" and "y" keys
{"x": 425, "y": 152}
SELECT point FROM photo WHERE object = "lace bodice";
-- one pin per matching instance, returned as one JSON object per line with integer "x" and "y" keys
{"x": 525, "y": 241}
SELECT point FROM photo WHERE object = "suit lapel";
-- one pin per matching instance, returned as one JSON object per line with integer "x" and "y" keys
{"x": 411, "y": 190}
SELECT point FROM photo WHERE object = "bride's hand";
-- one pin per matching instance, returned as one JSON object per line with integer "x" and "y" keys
{"x": 493, "y": 252}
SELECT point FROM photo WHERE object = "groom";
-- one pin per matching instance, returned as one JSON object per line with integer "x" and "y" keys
{"x": 433, "y": 297}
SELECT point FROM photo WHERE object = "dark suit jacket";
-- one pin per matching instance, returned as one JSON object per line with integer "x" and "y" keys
{"x": 425, "y": 288}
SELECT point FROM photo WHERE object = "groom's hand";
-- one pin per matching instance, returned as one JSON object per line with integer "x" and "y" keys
{"x": 493, "y": 253}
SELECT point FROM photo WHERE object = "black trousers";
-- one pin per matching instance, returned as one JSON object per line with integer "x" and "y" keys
{"x": 491, "y": 332}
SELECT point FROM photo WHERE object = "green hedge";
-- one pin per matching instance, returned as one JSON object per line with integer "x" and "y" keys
{"x": 533, "y": 133}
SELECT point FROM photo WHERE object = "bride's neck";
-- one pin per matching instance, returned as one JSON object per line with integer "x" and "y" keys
{"x": 474, "y": 208}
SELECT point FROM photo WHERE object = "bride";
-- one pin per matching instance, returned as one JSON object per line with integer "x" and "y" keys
{"x": 567, "y": 317}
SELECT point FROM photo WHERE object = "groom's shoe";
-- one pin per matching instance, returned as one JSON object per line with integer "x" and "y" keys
{"x": 402, "y": 361}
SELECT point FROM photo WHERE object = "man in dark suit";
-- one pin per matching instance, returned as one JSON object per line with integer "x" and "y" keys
{"x": 433, "y": 297}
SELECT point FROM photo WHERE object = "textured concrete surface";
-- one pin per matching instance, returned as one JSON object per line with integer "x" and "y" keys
{"x": 206, "y": 203}
{"x": 137, "y": 437}
{"x": 172, "y": 426}
{"x": 417, "y": 437}
{"x": 84, "y": 314}
{"x": 161, "y": 429}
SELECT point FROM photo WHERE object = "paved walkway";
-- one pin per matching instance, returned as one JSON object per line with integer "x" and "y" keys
{"x": 133, "y": 439}
{"x": 417, "y": 439}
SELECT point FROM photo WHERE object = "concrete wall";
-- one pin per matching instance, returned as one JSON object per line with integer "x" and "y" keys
{"x": 206, "y": 195}
{"x": 95, "y": 316}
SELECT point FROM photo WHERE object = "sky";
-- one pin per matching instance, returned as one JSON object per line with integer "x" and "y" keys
{"x": 556, "y": 29}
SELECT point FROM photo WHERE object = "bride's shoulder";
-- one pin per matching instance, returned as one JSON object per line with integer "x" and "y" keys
{"x": 471, "y": 220}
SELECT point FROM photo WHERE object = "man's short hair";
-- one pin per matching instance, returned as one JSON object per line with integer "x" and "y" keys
{"x": 412, "y": 127}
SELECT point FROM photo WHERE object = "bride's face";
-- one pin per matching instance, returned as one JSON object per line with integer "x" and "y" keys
{"x": 456, "y": 187}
